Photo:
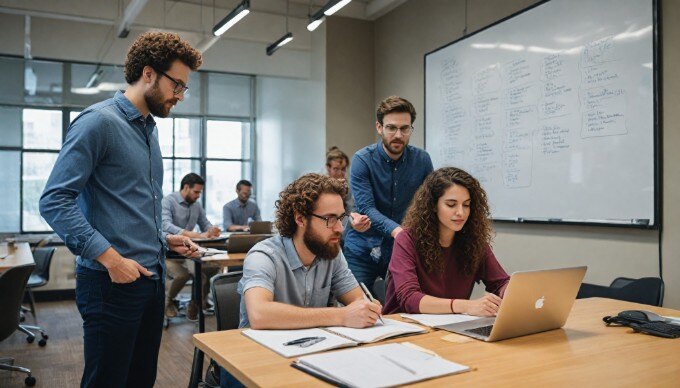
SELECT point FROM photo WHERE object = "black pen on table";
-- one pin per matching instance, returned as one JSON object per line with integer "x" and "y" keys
{"x": 369, "y": 297}
{"x": 302, "y": 340}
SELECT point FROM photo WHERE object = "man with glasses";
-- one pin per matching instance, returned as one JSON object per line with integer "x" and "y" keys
{"x": 384, "y": 178}
{"x": 103, "y": 198}
{"x": 287, "y": 279}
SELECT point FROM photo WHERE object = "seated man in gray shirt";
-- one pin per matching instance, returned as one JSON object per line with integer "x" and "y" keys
{"x": 181, "y": 213}
{"x": 238, "y": 213}
{"x": 288, "y": 279}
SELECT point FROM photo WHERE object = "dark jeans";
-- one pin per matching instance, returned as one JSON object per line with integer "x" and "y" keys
{"x": 366, "y": 270}
{"x": 122, "y": 325}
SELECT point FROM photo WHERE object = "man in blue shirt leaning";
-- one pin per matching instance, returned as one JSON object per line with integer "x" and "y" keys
{"x": 103, "y": 198}
{"x": 384, "y": 178}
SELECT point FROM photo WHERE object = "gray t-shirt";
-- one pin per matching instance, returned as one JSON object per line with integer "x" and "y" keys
{"x": 274, "y": 264}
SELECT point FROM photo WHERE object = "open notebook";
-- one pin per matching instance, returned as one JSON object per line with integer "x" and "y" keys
{"x": 377, "y": 366}
{"x": 334, "y": 337}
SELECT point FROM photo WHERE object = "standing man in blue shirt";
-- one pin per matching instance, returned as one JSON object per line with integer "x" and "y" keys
{"x": 103, "y": 198}
{"x": 384, "y": 178}
{"x": 238, "y": 214}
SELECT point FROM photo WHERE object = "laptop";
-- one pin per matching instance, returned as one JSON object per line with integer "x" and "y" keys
{"x": 241, "y": 243}
{"x": 534, "y": 301}
{"x": 260, "y": 227}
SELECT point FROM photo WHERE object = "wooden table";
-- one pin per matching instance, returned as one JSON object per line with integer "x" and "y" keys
{"x": 583, "y": 353}
{"x": 19, "y": 254}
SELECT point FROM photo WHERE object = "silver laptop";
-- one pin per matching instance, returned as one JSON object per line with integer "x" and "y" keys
{"x": 241, "y": 243}
{"x": 534, "y": 301}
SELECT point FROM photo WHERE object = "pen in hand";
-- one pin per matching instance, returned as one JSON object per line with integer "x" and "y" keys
{"x": 369, "y": 297}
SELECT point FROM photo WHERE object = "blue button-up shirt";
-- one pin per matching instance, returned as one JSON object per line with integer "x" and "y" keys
{"x": 383, "y": 189}
{"x": 237, "y": 213}
{"x": 105, "y": 188}
{"x": 178, "y": 214}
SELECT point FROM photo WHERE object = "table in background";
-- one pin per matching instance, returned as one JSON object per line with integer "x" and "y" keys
{"x": 18, "y": 254}
{"x": 584, "y": 352}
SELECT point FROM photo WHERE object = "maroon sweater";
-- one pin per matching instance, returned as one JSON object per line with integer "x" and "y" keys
{"x": 409, "y": 279}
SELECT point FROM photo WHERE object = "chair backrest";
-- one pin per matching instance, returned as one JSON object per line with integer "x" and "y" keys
{"x": 12, "y": 286}
{"x": 644, "y": 290}
{"x": 43, "y": 259}
{"x": 227, "y": 300}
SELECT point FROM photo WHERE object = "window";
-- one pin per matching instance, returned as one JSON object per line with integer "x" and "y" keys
{"x": 213, "y": 139}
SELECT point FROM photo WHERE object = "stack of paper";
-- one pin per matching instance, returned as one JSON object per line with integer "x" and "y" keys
{"x": 436, "y": 320}
{"x": 377, "y": 366}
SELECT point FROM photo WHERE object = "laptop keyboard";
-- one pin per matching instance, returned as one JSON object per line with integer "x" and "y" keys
{"x": 483, "y": 331}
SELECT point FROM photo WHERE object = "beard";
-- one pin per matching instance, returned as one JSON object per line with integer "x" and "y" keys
{"x": 155, "y": 103}
{"x": 322, "y": 249}
{"x": 390, "y": 146}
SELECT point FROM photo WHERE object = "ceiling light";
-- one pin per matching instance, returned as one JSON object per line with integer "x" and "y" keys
{"x": 234, "y": 16}
{"x": 314, "y": 23}
{"x": 334, "y": 6}
{"x": 276, "y": 45}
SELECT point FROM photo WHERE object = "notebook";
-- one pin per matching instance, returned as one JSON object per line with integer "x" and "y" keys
{"x": 377, "y": 366}
{"x": 334, "y": 337}
{"x": 275, "y": 339}
{"x": 389, "y": 329}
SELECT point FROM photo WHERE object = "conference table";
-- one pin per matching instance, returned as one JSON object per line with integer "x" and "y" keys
{"x": 13, "y": 255}
{"x": 584, "y": 352}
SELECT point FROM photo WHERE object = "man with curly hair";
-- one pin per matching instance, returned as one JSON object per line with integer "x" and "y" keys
{"x": 384, "y": 178}
{"x": 103, "y": 198}
{"x": 288, "y": 279}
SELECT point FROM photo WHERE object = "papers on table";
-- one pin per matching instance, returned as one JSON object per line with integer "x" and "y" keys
{"x": 377, "y": 366}
{"x": 390, "y": 328}
{"x": 210, "y": 251}
{"x": 275, "y": 339}
{"x": 436, "y": 320}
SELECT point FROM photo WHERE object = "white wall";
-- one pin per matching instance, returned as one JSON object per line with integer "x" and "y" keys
{"x": 291, "y": 117}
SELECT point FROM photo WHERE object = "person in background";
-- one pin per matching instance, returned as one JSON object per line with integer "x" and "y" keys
{"x": 337, "y": 163}
{"x": 103, "y": 198}
{"x": 287, "y": 279}
{"x": 181, "y": 213}
{"x": 444, "y": 250}
{"x": 237, "y": 214}
{"x": 384, "y": 178}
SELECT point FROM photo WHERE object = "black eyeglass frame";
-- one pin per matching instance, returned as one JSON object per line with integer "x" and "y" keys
{"x": 180, "y": 87}
{"x": 339, "y": 218}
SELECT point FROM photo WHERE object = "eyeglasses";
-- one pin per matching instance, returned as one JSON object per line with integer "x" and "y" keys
{"x": 331, "y": 220}
{"x": 392, "y": 129}
{"x": 180, "y": 87}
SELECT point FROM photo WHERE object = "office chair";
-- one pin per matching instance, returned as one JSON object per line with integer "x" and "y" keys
{"x": 39, "y": 278}
{"x": 227, "y": 312}
{"x": 227, "y": 300}
{"x": 380, "y": 288}
{"x": 12, "y": 285}
{"x": 649, "y": 290}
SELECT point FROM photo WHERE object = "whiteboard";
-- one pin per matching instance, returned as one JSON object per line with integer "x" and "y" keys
{"x": 553, "y": 111}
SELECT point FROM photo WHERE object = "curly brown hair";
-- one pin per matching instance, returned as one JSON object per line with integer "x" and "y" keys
{"x": 301, "y": 196}
{"x": 423, "y": 224}
{"x": 158, "y": 50}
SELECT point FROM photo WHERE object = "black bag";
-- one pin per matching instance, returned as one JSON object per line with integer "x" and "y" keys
{"x": 644, "y": 321}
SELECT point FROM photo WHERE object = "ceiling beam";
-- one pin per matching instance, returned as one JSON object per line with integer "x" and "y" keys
{"x": 378, "y": 8}
{"x": 131, "y": 12}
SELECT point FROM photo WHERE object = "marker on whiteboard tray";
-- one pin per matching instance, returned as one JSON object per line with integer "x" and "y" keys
{"x": 554, "y": 220}
{"x": 640, "y": 221}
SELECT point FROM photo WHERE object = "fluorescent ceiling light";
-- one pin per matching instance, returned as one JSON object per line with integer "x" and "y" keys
{"x": 276, "y": 45}
{"x": 234, "y": 16}
{"x": 334, "y": 6}
{"x": 314, "y": 23}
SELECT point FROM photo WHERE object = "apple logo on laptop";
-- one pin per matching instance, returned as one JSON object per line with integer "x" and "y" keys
{"x": 539, "y": 302}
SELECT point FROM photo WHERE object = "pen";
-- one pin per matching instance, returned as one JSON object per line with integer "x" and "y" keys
{"x": 369, "y": 297}
{"x": 301, "y": 340}
{"x": 312, "y": 342}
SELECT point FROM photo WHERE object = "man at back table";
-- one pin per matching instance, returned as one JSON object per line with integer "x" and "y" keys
{"x": 181, "y": 213}
{"x": 287, "y": 279}
{"x": 384, "y": 179}
{"x": 238, "y": 213}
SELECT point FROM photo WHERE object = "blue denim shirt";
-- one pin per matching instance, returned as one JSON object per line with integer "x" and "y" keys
{"x": 105, "y": 188}
{"x": 383, "y": 189}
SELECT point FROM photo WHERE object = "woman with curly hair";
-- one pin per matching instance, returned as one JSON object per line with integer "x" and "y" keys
{"x": 445, "y": 250}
